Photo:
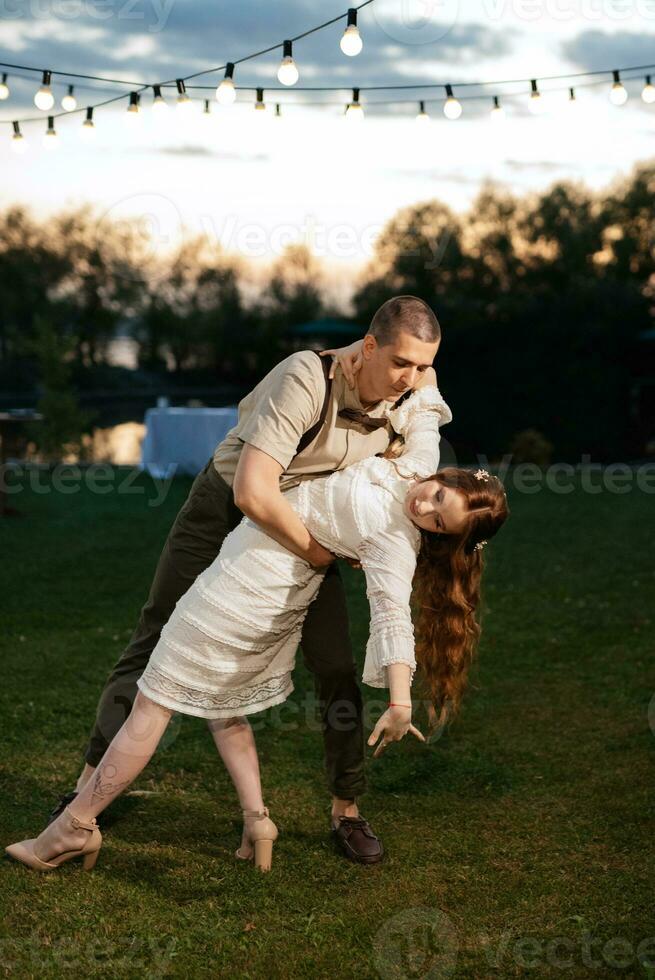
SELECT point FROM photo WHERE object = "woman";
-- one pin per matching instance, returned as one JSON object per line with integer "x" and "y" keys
{"x": 228, "y": 649}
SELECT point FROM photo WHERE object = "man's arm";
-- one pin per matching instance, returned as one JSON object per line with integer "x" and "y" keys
{"x": 257, "y": 494}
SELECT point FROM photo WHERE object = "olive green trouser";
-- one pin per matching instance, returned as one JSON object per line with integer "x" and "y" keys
{"x": 207, "y": 516}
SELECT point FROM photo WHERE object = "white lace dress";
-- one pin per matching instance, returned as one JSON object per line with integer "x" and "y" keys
{"x": 229, "y": 646}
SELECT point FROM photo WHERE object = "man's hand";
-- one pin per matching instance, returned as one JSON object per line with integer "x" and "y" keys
{"x": 392, "y": 726}
{"x": 350, "y": 358}
{"x": 427, "y": 377}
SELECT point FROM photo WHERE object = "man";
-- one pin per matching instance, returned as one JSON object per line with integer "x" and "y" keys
{"x": 287, "y": 431}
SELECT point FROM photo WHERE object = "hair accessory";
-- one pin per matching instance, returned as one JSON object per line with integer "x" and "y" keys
{"x": 479, "y": 546}
{"x": 481, "y": 475}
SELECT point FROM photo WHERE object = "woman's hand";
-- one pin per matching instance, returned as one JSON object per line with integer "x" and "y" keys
{"x": 428, "y": 377}
{"x": 318, "y": 556}
{"x": 350, "y": 358}
{"x": 392, "y": 726}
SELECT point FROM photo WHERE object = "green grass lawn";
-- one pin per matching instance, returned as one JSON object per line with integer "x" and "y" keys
{"x": 518, "y": 844}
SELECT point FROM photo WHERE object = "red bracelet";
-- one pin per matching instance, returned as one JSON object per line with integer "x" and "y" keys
{"x": 394, "y": 704}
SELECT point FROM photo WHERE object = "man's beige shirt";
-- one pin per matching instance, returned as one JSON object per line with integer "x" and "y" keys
{"x": 284, "y": 405}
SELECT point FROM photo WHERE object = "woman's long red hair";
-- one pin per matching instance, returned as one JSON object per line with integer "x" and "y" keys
{"x": 446, "y": 592}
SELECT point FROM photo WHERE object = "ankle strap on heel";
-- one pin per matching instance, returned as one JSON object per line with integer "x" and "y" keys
{"x": 84, "y": 824}
{"x": 256, "y": 813}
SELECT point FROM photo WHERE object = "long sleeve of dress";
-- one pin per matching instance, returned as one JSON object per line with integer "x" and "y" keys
{"x": 388, "y": 564}
{"x": 418, "y": 420}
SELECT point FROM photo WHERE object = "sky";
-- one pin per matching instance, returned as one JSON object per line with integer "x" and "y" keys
{"x": 255, "y": 182}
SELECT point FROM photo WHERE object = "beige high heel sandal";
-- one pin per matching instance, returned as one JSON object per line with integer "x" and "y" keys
{"x": 261, "y": 836}
{"x": 24, "y": 851}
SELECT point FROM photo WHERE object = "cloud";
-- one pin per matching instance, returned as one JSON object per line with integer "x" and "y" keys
{"x": 204, "y": 151}
{"x": 153, "y": 40}
{"x": 596, "y": 50}
{"x": 544, "y": 166}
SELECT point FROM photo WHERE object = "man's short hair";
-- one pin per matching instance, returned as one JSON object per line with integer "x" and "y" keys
{"x": 407, "y": 314}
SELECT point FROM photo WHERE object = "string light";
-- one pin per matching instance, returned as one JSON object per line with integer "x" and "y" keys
{"x": 278, "y": 110}
{"x": 351, "y": 41}
{"x": 536, "y": 102}
{"x": 648, "y": 91}
{"x": 226, "y": 92}
{"x": 287, "y": 73}
{"x": 207, "y": 111}
{"x": 69, "y": 102}
{"x": 159, "y": 103}
{"x": 354, "y": 110}
{"x": 44, "y": 99}
{"x": 260, "y": 105}
{"x": 422, "y": 116}
{"x": 88, "y": 126}
{"x": 133, "y": 108}
{"x": 18, "y": 143}
{"x": 50, "y": 139}
{"x": 497, "y": 112}
{"x": 572, "y": 100}
{"x": 452, "y": 107}
{"x": 183, "y": 101}
{"x": 618, "y": 93}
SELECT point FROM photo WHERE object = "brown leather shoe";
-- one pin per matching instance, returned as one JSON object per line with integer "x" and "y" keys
{"x": 356, "y": 840}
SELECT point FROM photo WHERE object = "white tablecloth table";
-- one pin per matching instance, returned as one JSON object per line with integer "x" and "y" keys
{"x": 181, "y": 440}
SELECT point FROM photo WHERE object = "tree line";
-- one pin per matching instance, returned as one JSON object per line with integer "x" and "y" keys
{"x": 543, "y": 299}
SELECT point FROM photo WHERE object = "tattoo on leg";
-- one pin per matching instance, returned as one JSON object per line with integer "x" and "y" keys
{"x": 103, "y": 782}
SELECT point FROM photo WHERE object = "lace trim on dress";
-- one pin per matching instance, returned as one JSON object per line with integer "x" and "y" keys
{"x": 253, "y": 697}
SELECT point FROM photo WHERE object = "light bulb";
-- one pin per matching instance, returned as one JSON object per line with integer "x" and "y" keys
{"x": 648, "y": 91}
{"x": 452, "y": 107}
{"x": 260, "y": 105}
{"x": 69, "y": 102}
{"x": 44, "y": 99}
{"x": 422, "y": 117}
{"x": 354, "y": 111}
{"x": 351, "y": 41}
{"x": 50, "y": 139}
{"x": 287, "y": 73}
{"x": 226, "y": 92}
{"x": 133, "y": 108}
{"x": 159, "y": 103}
{"x": 4, "y": 88}
{"x": 18, "y": 143}
{"x": 183, "y": 102}
{"x": 88, "y": 126}
{"x": 497, "y": 112}
{"x": 536, "y": 103}
{"x": 618, "y": 94}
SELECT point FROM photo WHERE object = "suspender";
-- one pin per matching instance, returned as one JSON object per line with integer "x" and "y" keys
{"x": 311, "y": 434}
